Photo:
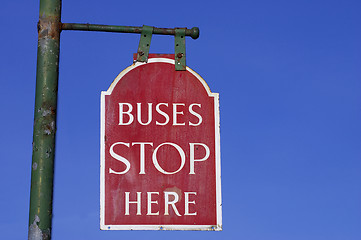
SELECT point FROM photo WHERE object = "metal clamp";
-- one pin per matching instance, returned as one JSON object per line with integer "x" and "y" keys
{"x": 180, "y": 49}
{"x": 144, "y": 43}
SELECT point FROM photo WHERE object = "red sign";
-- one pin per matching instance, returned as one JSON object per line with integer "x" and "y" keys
{"x": 160, "y": 150}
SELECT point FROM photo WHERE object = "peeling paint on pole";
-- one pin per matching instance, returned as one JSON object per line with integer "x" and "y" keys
{"x": 34, "y": 230}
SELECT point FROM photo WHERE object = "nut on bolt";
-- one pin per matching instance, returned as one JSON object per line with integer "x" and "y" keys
{"x": 180, "y": 55}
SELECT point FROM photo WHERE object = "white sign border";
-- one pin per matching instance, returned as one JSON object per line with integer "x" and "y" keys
{"x": 217, "y": 227}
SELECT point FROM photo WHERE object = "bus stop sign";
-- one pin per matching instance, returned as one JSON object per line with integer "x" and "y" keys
{"x": 160, "y": 150}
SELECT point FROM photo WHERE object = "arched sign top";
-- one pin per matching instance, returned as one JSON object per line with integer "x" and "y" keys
{"x": 158, "y": 60}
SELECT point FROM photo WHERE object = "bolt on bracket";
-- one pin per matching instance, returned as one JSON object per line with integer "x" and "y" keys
{"x": 144, "y": 44}
{"x": 180, "y": 49}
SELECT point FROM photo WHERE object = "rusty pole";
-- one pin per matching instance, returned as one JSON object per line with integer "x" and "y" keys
{"x": 41, "y": 193}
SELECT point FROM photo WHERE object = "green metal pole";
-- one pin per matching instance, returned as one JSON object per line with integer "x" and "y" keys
{"x": 193, "y": 32}
{"x": 41, "y": 193}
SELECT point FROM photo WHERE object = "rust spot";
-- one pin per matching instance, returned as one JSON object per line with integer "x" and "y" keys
{"x": 49, "y": 27}
{"x": 49, "y": 128}
{"x": 138, "y": 29}
{"x": 174, "y": 189}
{"x": 52, "y": 110}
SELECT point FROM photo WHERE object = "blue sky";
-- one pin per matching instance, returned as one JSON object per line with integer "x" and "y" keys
{"x": 288, "y": 74}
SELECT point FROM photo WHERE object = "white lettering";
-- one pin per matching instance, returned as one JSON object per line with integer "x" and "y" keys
{"x": 195, "y": 114}
{"x": 175, "y": 113}
{"x": 192, "y": 159}
{"x": 170, "y": 199}
{"x": 187, "y": 202}
{"x": 181, "y": 153}
{"x": 191, "y": 156}
{"x": 157, "y": 108}
{"x": 138, "y": 202}
{"x": 121, "y": 113}
{"x": 149, "y": 195}
{"x": 119, "y": 158}
{"x": 142, "y": 155}
{"x": 139, "y": 113}
{"x": 172, "y": 203}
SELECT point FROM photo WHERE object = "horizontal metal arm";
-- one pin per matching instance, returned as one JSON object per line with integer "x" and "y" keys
{"x": 193, "y": 32}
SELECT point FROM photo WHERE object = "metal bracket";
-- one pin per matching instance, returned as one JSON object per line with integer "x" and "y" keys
{"x": 144, "y": 43}
{"x": 180, "y": 49}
